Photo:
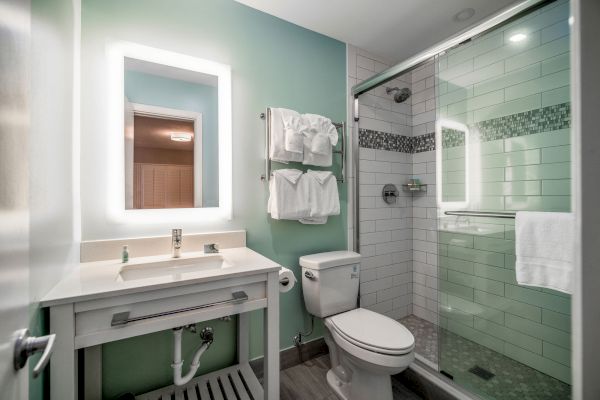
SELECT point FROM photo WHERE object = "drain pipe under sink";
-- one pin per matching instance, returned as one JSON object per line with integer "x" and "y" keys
{"x": 207, "y": 336}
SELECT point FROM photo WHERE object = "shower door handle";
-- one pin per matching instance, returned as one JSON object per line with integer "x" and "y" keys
{"x": 26, "y": 346}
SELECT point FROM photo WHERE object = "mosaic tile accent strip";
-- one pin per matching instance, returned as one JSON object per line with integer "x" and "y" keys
{"x": 452, "y": 138}
{"x": 511, "y": 380}
{"x": 423, "y": 143}
{"x": 384, "y": 141}
{"x": 546, "y": 119}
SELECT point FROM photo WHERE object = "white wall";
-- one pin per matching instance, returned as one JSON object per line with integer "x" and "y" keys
{"x": 54, "y": 197}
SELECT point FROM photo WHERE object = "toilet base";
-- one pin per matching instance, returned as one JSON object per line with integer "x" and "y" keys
{"x": 339, "y": 388}
{"x": 379, "y": 387}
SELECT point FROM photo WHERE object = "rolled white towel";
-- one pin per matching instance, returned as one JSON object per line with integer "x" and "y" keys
{"x": 294, "y": 127}
{"x": 277, "y": 149}
{"x": 319, "y": 138}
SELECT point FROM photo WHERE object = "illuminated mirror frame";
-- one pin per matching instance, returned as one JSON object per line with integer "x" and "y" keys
{"x": 439, "y": 125}
{"x": 115, "y": 190}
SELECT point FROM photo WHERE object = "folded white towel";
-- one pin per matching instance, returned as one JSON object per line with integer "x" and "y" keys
{"x": 313, "y": 220}
{"x": 545, "y": 249}
{"x": 294, "y": 126}
{"x": 289, "y": 195}
{"x": 277, "y": 150}
{"x": 319, "y": 138}
{"x": 323, "y": 196}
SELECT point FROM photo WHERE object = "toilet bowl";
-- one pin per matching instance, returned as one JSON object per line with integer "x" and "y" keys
{"x": 366, "y": 348}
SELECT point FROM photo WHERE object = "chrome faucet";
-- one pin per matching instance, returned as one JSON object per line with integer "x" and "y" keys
{"x": 211, "y": 248}
{"x": 176, "y": 242}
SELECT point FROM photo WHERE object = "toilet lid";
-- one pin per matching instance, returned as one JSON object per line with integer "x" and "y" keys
{"x": 373, "y": 331}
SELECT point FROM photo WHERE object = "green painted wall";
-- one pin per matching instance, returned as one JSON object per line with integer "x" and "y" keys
{"x": 181, "y": 95}
{"x": 515, "y": 99}
{"x": 274, "y": 63}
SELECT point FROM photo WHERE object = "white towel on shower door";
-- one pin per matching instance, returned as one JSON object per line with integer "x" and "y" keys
{"x": 545, "y": 248}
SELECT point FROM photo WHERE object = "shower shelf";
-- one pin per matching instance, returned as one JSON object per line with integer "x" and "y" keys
{"x": 407, "y": 187}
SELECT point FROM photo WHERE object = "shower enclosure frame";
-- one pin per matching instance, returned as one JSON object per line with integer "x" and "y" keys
{"x": 490, "y": 23}
{"x": 393, "y": 72}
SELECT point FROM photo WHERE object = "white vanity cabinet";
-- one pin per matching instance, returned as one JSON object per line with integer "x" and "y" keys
{"x": 92, "y": 306}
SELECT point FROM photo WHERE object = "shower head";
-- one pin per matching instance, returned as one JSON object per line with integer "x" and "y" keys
{"x": 401, "y": 95}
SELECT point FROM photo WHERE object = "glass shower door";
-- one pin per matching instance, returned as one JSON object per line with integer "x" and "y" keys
{"x": 502, "y": 145}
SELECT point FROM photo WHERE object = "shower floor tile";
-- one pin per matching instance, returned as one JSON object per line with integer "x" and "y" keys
{"x": 460, "y": 356}
{"x": 426, "y": 337}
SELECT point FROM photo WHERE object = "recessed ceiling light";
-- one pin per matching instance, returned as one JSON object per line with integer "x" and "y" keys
{"x": 464, "y": 15}
{"x": 517, "y": 37}
{"x": 181, "y": 137}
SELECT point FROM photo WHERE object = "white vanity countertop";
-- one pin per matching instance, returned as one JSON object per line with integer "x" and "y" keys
{"x": 101, "y": 279}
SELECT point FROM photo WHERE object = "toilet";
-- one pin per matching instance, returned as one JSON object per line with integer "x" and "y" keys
{"x": 366, "y": 348}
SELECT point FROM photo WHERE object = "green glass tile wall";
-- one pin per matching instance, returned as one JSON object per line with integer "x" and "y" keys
{"x": 514, "y": 97}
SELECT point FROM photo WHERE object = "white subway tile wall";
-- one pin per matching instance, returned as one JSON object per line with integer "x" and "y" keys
{"x": 425, "y": 273}
{"x": 385, "y": 230}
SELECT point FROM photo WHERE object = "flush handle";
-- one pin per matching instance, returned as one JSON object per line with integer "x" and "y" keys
{"x": 309, "y": 275}
{"x": 26, "y": 346}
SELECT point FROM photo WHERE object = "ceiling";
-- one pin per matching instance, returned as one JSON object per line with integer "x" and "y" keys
{"x": 156, "y": 133}
{"x": 391, "y": 29}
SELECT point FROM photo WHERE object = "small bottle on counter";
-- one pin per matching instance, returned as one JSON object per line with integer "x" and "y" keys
{"x": 125, "y": 255}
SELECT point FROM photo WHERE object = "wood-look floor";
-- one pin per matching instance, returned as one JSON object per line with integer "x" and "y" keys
{"x": 307, "y": 381}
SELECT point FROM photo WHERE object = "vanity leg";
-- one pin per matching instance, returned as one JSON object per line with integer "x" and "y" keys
{"x": 92, "y": 371}
{"x": 63, "y": 363}
{"x": 271, "y": 339}
{"x": 243, "y": 338}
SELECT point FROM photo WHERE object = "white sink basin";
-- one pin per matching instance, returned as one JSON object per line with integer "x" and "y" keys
{"x": 177, "y": 268}
{"x": 473, "y": 229}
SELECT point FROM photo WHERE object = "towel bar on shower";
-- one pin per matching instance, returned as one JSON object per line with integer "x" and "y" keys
{"x": 487, "y": 214}
{"x": 268, "y": 170}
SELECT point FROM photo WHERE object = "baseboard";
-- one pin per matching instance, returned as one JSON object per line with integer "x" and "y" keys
{"x": 292, "y": 356}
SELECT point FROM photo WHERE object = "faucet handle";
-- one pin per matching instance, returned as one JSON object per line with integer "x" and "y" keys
{"x": 211, "y": 248}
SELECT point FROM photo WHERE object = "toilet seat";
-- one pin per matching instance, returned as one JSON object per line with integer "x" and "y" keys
{"x": 371, "y": 331}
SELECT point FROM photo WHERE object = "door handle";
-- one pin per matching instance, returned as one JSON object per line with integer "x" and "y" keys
{"x": 26, "y": 346}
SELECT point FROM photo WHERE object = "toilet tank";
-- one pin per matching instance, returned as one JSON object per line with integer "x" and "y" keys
{"x": 330, "y": 282}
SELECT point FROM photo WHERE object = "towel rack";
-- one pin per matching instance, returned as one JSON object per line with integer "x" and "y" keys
{"x": 488, "y": 214}
{"x": 268, "y": 170}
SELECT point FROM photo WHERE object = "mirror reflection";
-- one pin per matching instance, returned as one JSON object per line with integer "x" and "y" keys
{"x": 454, "y": 150}
{"x": 171, "y": 137}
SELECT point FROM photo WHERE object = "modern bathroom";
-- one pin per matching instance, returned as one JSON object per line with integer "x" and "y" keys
{"x": 299, "y": 200}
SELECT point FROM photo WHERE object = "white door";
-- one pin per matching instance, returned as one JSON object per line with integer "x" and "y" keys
{"x": 14, "y": 208}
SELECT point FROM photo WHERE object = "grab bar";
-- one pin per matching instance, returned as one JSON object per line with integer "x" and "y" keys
{"x": 122, "y": 318}
{"x": 488, "y": 214}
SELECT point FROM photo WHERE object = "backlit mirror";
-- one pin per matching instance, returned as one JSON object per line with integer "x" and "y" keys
{"x": 171, "y": 137}
{"x": 170, "y": 148}
{"x": 452, "y": 150}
